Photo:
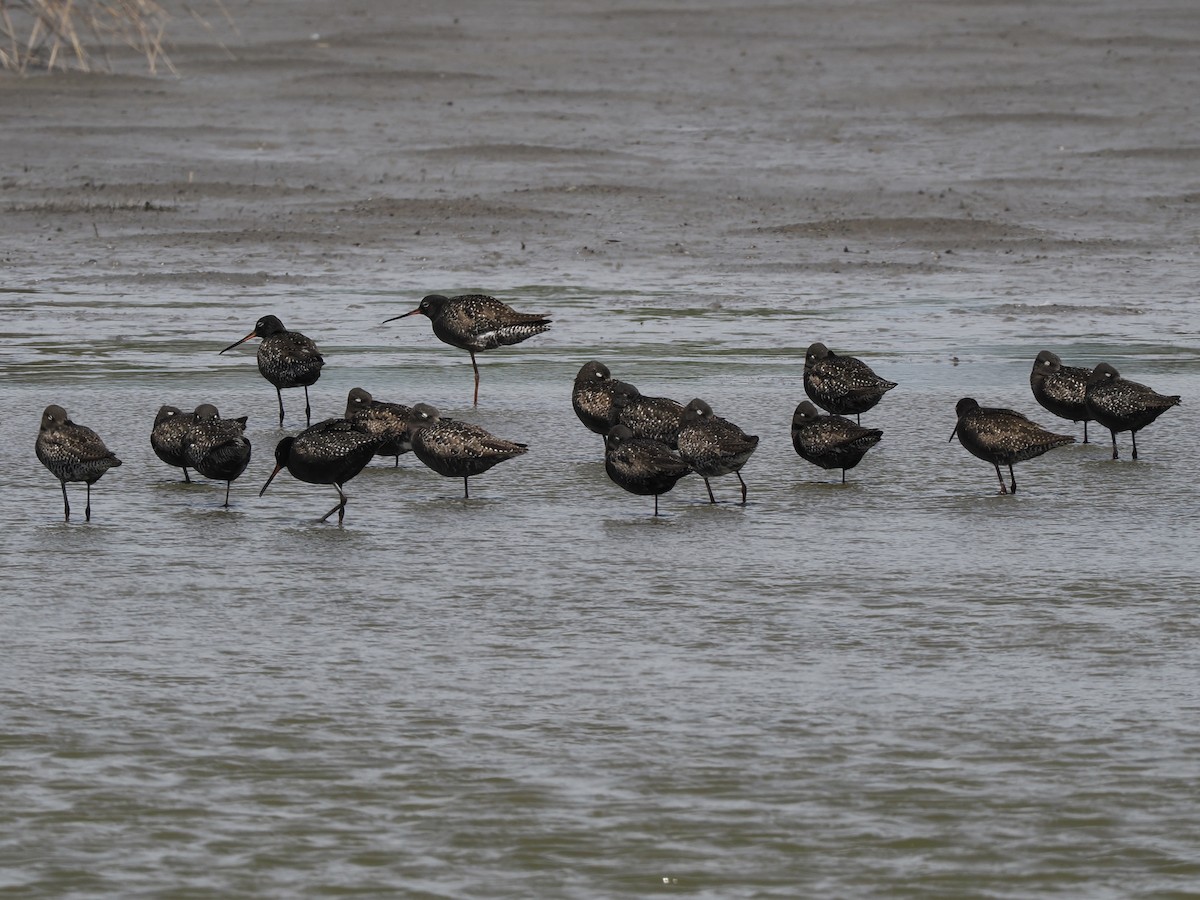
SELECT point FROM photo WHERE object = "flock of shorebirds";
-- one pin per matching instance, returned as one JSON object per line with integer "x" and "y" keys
{"x": 650, "y": 443}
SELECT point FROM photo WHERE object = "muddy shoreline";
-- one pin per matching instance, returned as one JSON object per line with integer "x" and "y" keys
{"x": 769, "y": 148}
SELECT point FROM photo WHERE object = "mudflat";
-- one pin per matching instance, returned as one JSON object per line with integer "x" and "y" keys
{"x": 1034, "y": 149}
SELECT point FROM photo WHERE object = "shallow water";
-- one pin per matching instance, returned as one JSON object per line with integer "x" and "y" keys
{"x": 906, "y": 686}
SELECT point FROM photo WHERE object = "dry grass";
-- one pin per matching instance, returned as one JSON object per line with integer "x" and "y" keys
{"x": 69, "y": 34}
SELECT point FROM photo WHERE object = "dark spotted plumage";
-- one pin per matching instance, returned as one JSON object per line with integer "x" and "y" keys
{"x": 330, "y": 452}
{"x": 1002, "y": 436}
{"x": 287, "y": 359}
{"x": 217, "y": 448}
{"x": 831, "y": 442}
{"x": 596, "y": 397}
{"x": 477, "y": 322}
{"x": 713, "y": 446}
{"x": 387, "y": 421}
{"x": 641, "y": 466}
{"x": 170, "y": 426}
{"x": 653, "y": 418}
{"x": 457, "y": 449}
{"x": 1122, "y": 405}
{"x": 72, "y": 453}
{"x": 842, "y": 385}
{"x": 1060, "y": 389}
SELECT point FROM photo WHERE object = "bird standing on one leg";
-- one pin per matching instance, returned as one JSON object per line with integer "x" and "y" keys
{"x": 1122, "y": 405}
{"x": 1002, "y": 436}
{"x": 72, "y": 453}
{"x": 1061, "y": 389}
{"x": 287, "y": 359}
{"x": 166, "y": 438}
{"x": 477, "y": 322}
{"x": 387, "y": 421}
{"x": 641, "y": 465}
{"x": 831, "y": 442}
{"x": 217, "y": 448}
{"x": 457, "y": 449}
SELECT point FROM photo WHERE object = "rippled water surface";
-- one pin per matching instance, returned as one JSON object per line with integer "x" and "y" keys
{"x": 906, "y": 686}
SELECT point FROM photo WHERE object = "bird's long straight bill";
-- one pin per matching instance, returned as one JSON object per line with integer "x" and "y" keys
{"x": 269, "y": 480}
{"x": 953, "y": 433}
{"x": 404, "y": 316}
{"x": 236, "y": 343}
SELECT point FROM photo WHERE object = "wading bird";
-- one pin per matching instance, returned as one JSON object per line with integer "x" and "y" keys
{"x": 831, "y": 442}
{"x": 72, "y": 453}
{"x": 217, "y": 448}
{"x": 477, "y": 322}
{"x": 330, "y": 452}
{"x": 1122, "y": 405}
{"x": 457, "y": 449}
{"x": 713, "y": 446}
{"x": 842, "y": 385}
{"x": 1002, "y": 436}
{"x": 287, "y": 359}
{"x": 1060, "y": 389}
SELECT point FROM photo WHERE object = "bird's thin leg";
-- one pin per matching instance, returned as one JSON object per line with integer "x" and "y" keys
{"x": 843, "y": 476}
{"x": 1085, "y": 440}
{"x": 475, "y": 366}
{"x": 340, "y": 509}
{"x": 87, "y": 509}
{"x": 1003, "y": 487}
{"x": 1133, "y": 437}
{"x": 185, "y": 476}
{"x": 1114, "y": 437}
{"x": 66, "y": 503}
{"x": 739, "y": 476}
{"x": 656, "y": 504}
{"x": 279, "y": 394}
{"x": 711, "y": 498}
{"x": 227, "y": 494}
{"x": 1013, "y": 477}
{"x": 466, "y": 489}
{"x": 307, "y": 409}
{"x": 397, "y": 461}
{"x": 858, "y": 418}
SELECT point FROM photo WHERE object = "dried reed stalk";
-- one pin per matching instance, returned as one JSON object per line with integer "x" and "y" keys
{"x": 50, "y": 34}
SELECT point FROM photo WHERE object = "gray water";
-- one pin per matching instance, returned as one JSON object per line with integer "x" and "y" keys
{"x": 906, "y": 686}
